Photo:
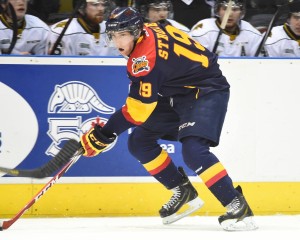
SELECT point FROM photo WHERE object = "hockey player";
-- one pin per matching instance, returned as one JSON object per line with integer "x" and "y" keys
{"x": 158, "y": 10}
{"x": 239, "y": 38}
{"x": 32, "y": 32}
{"x": 284, "y": 40}
{"x": 165, "y": 65}
{"x": 86, "y": 33}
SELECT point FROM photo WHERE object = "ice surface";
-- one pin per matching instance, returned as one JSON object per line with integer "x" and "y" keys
{"x": 135, "y": 228}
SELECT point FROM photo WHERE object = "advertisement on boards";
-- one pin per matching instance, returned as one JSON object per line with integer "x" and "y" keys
{"x": 42, "y": 106}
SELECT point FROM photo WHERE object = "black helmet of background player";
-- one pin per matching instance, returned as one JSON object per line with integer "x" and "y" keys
{"x": 235, "y": 4}
{"x": 83, "y": 3}
{"x": 124, "y": 19}
{"x": 156, "y": 5}
{"x": 293, "y": 19}
{"x": 294, "y": 9}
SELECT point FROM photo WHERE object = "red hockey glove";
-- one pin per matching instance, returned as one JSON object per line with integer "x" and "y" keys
{"x": 94, "y": 141}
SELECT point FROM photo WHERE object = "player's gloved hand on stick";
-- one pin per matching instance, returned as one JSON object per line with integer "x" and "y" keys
{"x": 94, "y": 141}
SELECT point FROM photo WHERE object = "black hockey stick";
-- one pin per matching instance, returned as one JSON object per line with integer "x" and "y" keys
{"x": 14, "y": 28}
{"x": 275, "y": 17}
{"x": 7, "y": 223}
{"x": 61, "y": 35}
{"x": 223, "y": 25}
{"x": 63, "y": 156}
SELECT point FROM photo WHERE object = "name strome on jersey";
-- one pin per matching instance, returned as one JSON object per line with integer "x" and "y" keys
{"x": 166, "y": 62}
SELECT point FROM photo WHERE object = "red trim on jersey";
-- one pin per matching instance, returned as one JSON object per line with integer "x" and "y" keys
{"x": 143, "y": 58}
{"x": 128, "y": 117}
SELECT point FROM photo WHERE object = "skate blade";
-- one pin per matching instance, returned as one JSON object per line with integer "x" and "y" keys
{"x": 247, "y": 224}
{"x": 194, "y": 205}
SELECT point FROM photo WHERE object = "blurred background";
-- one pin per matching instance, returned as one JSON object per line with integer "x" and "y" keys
{"x": 258, "y": 12}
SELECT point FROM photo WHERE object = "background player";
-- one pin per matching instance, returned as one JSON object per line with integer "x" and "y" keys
{"x": 239, "y": 38}
{"x": 284, "y": 40}
{"x": 32, "y": 32}
{"x": 86, "y": 33}
{"x": 164, "y": 62}
{"x": 158, "y": 10}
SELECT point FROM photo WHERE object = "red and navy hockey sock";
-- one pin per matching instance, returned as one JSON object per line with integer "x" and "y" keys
{"x": 198, "y": 157}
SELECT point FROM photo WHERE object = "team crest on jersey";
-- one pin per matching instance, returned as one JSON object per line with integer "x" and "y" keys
{"x": 140, "y": 64}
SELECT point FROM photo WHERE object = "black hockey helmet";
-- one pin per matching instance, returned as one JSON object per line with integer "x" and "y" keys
{"x": 125, "y": 19}
{"x": 235, "y": 4}
{"x": 108, "y": 5}
{"x": 294, "y": 9}
{"x": 83, "y": 2}
{"x": 145, "y": 5}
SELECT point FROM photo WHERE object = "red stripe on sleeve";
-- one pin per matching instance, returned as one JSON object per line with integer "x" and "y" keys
{"x": 128, "y": 117}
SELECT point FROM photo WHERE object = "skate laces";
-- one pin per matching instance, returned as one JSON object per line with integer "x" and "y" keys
{"x": 234, "y": 205}
{"x": 174, "y": 198}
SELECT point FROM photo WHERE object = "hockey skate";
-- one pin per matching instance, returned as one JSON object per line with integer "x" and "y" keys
{"x": 239, "y": 216}
{"x": 185, "y": 193}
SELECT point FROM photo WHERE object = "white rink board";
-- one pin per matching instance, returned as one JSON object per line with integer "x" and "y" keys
{"x": 259, "y": 141}
{"x": 260, "y": 136}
